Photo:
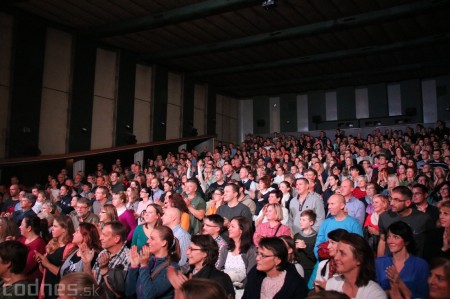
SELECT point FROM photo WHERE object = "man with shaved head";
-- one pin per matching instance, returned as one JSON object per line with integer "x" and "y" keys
{"x": 172, "y": 219}
{"x": 338, "y": 219}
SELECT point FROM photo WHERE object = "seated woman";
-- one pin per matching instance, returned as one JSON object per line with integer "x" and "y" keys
{"x": 79, "y": 285}
{"x": 401, "y": 271}
{"x": 241, "y": 256}
{"x": 152, "y": 218}
{"x": 87, "y": 239}
{"x": 147, "y": 275}
{"x": 380, "y": 204}
{"x": 273, "y": 227}
{"x": 202, "y": 254}
{"x": 439, "y": 279}
{"x": 355, "y": 262}
{"x": 274, "y": 276}
{"x": 126, "y": 216}
{"x": 438, "y": 239}
{"x": 327, "y": 267}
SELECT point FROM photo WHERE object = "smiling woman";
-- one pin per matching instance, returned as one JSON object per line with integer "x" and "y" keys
{"x": 274, "y": 276}
{"x": 355, "y": 262}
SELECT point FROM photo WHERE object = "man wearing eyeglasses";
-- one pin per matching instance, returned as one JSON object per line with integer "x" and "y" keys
{"x": 401, "y": 210}
{"x": 83, "y": 213}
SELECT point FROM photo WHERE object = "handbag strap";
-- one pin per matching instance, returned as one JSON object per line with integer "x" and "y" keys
{"x": 278, "y": 228}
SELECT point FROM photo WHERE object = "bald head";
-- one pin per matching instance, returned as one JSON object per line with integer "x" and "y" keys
{"x": 171, "y": 217}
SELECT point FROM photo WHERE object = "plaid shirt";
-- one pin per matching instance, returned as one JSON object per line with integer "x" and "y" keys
{"x": 120, "y": 258}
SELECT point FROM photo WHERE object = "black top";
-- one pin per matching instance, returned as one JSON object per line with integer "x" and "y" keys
{"x": 220, "y": 277}
{"x": 294, "y": 286}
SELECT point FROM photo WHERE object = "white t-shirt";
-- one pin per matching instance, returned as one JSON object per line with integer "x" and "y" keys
{"x": 372, "y": 290}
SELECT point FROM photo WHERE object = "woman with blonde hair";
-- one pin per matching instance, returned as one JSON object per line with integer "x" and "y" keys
{"x": 132, "y": 199}
{"x": 380, "y": 204}
{"x": 392, "y": 182}
{"x": 273, "y": 227}
{"x": 108, "y": 213}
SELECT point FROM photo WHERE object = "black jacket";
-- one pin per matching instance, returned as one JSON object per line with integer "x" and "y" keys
{"x": 294, "y": 286}
{"x": 218, "y": 276}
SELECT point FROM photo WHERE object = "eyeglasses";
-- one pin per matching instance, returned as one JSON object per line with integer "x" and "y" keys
{"x": 209, "y": 225}
{"x": 264, "y": 256}
{"x": 398, "y": 200}
{"x": 193, "y": 249}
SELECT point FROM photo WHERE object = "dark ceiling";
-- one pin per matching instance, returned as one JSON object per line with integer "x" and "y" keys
{"x": 246, "y": 50}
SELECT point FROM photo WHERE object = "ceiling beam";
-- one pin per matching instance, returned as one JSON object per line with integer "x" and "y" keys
{"x": 407, "y": 10}
{"x": 444, "y": 64}
{"x": 368, "y": 50}
{"x": 178, "y": 15}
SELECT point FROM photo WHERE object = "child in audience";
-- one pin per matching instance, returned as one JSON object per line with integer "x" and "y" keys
{"x": 304, "y": 242}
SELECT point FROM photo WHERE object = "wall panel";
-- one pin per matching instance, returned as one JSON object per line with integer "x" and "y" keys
{"x": 142, "y": 104}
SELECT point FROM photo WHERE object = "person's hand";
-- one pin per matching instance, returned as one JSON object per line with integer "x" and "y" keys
{"x": 144, "y": 256}
{"x": 393, "y": 275}
{"x": 446, "y": 239}
{"x": 373, "y": 231}
{"x": 86, "y": 254}
{"x": 187, "y": 201}
{"x": 10, "y": 238}
{"x": 134, "y": 257}
{"x": 300, "y": 244}
{"x": 175, "y": 277}
{"x": 41, "y": 259}
{"x": 320, "y": 283}
{"x": 103, "y": 260}
{"x": 226, "y": 222}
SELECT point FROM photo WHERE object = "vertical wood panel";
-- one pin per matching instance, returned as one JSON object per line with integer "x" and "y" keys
{"x": 261, "y": 115}
{"x": 288, "y": 113}
{"x": 53, "y": 129}
{"x": 200, "y": 108}
{"x": 103, "y": 114}
{"x": 142, "y": 104}
{"x": 378, "y": 102}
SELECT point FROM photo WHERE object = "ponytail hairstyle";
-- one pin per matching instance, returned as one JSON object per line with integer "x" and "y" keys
{"x": 38, "y": 226}
{"x": 173, "y": 245}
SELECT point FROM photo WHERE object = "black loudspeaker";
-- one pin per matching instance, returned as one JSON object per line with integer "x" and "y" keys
{"x": 260, "y": 123}
{"x": 316, "y": 119}
{"x": 411, "y": 111}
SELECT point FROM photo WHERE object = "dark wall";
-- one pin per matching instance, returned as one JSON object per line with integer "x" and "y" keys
{"x": 443, "y": 97}
{"x": 160, "y": 103}
{"x": 82, "y": 96}
{"x": 378, "y": 102}
{"x": 316, "y": 108}
{"x": 125, "y": 99}
{"x": 261, "y": 115}
{"x": 411, "y": 93}
{"x": 288, "y": 112}
{"x": 211, "y": 120}
{"x": 346, "y": 108}
{"x": 188, "y": 107}
{"x": 26, "y": 87}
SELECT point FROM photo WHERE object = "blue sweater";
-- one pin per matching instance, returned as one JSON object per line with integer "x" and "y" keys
{"x": 414, "y": 274}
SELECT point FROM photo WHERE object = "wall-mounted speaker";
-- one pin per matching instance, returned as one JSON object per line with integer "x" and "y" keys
{"x": 316, "y": 119}
{"x": 411, "y": 111}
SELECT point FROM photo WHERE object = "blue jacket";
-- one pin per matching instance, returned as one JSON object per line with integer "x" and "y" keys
{"x": 139, "y": 280}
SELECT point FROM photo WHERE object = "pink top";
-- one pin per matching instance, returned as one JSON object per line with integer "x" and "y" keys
{"x": 127, "y": 218}
{"x": 264, "y": 230}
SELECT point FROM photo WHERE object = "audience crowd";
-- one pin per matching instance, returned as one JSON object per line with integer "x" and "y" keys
{"x": 274, "y": 217}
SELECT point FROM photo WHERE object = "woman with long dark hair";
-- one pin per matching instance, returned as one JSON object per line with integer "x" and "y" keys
{"x": 241, "y": 256}
{"x": 355, "y": 264}
{"x": 87, "y": 239}
{"x": 152, "y": 218}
